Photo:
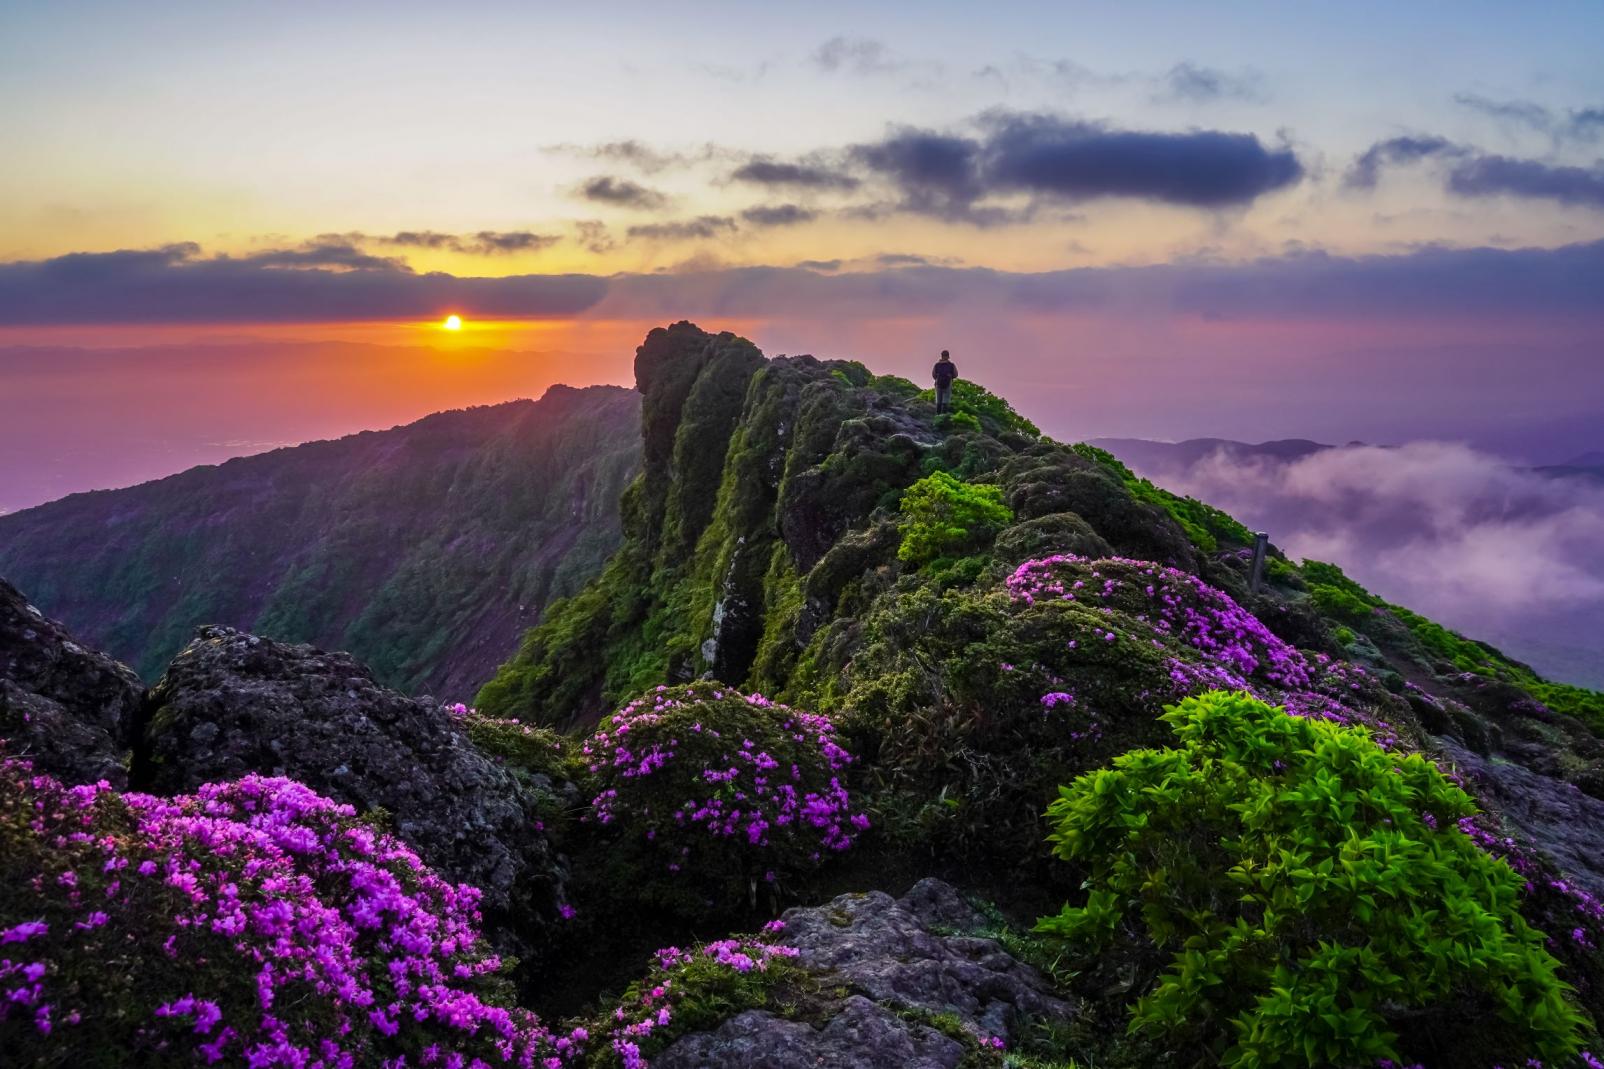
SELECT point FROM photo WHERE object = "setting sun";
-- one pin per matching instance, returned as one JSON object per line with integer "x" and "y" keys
{"x": 452, "y": 323}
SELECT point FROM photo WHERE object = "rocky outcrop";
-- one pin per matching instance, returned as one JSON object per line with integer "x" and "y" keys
{"x": 1558, "y": 816}
{"x": 233, "y": 703}
{"x": 922, "y": 990}
{"x": 67, "y": 709}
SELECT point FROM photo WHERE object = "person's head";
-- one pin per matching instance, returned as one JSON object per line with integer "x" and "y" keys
{"x": 944, "y": 355}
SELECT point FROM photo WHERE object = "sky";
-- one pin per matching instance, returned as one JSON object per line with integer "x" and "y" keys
{"x": 1366, "y": 221}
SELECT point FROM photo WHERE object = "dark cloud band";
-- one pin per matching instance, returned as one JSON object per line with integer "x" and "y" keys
{"x": 177, "y": 284}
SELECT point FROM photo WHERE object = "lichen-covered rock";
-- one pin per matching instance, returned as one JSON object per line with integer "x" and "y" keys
{"x": 67, "y": 709}
{"x": 921, "y": 990}
{"x": 862, "y": 1034}
{"x": 232, "y": 704}
{"x": 1566, "y": 822}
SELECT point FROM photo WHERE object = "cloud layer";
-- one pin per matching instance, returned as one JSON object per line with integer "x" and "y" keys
{"x": 335, "y": 281}
{"x": 1489, "y": 548}
{"x": 1474, "y": 173}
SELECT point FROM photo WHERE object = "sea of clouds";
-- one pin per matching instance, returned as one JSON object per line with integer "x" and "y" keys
{"x": 1496, "y": 550}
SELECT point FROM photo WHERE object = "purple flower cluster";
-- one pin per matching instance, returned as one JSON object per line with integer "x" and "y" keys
{"x": 254, "y": 923}
{"x": 641, "y": 1020}
{"x": 1213, "y": 643}
{"x": 1169, "y": 603}
{"x": 704, "y": 764}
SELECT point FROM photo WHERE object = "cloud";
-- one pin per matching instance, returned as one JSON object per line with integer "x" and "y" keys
{"x": 909, "y": 259}
{"x": 641, "y": 156}
{"x": 937, "y": 174}
{"x": 324, "y": 252}
{"x": 703, "y": 226}
{"x": 1473, "y": 173}
{"x": 1520, "y": 112}
{"x": 1463, "y": 536}
{"x": 593, "y": 236}
{"x": 820, "y": 265}
{"x": 855, "y": 55}
{"x": 1484, "y": 176}
{"x": 1365, "y": 172}
{"x": 479, "y": 243}
{"x": 766, "y": 172}
{"x": 1206, "y": 85}
{"x": 1078, "y": 160}
{"x": 317, "y": 282}
{"x": 606, "y": 189}
{"x": 778, "y": 215}
{"x": 178, "y": 284}
{"x": 1573, "y": 124}
{"x": 1047, "y": 157}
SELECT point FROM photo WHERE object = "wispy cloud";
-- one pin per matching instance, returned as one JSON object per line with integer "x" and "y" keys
{"x": 621, "y": 192}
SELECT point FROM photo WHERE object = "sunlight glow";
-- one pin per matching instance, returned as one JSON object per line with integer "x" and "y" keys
{"x": 452, "y": 322}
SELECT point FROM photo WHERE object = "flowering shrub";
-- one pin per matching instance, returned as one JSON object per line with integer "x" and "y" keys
{"x": 1316, "y": 892}
{"x": 979, "y": 703}
{"x": 250, "y": 923}
{"x": 718, "y": 788}
{"x": 690, "y": 991}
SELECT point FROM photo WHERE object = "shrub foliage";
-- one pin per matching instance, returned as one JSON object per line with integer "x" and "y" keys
{"x": 1306, "y": 899}
{"x": 946, "y": 516}
{"x": 718, "y": 789}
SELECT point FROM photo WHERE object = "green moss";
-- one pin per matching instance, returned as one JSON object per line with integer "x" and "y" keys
{"x": 986, "y": 409}
{"x": 1205, "y": 526}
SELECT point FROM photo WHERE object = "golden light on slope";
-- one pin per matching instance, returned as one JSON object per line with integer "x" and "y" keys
{"x": 453, "y": 322}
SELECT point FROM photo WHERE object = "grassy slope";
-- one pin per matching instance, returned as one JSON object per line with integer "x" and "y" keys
{"x": 424, "y": 550}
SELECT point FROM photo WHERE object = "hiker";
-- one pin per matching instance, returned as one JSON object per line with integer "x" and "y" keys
{"x": 944, "y": 371}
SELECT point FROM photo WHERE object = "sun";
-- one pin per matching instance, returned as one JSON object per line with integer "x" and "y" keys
{"x": 452, "y": 323}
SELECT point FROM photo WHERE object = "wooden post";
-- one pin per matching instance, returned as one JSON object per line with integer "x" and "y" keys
{"x": 1261, "y": 542}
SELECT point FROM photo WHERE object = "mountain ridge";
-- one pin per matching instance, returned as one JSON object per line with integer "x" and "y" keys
{"x": 460, "y": 524}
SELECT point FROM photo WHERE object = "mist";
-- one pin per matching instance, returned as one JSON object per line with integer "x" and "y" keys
{"x": 1490, "y": 548}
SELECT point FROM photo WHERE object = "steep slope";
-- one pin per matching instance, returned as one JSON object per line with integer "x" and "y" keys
{"x": 984, "y": 617}
{"x": 424, "y": 550}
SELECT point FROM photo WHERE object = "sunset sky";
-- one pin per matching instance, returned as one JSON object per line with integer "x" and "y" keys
{"x": 1367, "y": 220}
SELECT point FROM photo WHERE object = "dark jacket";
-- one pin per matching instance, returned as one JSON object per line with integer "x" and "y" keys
{"x": 944, "y": 371}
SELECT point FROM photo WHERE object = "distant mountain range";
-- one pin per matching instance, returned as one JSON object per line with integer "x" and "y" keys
{"x": 425, "y": 550}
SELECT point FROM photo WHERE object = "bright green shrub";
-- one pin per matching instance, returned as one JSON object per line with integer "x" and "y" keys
{"x": 946, "y": 515}
{"x": 1339, "y": 604}
{"x": 1304, "y": 898}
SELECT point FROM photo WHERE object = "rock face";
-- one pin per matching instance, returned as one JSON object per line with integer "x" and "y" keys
{"x": 67, "y": 709}
{"x": 232, "y": 703}
{"x": 1566, "y": 822}
{"x": 904, "y": 962}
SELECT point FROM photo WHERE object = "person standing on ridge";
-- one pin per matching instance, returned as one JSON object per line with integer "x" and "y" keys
{"x": 944, "y": 372}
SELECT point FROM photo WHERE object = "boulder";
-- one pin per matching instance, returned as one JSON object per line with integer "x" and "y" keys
{"x": 65, "y": 708}
{"x": 232, "y": 703}
{"x": 903, "y": 963}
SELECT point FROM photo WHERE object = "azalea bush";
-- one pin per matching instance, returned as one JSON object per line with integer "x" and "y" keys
{"x": 1285, "y": 892}
{"x": 974, "y": 705}
{"x": 720, "y": 790}
{"x": 693, "y": 990}
{"x": 251, "y": 922}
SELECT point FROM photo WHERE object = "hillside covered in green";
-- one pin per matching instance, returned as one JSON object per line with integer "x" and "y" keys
{"x": 425, "y": 550}
{"x": 882, "y": 738}
{"x": 988, "y": 615}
